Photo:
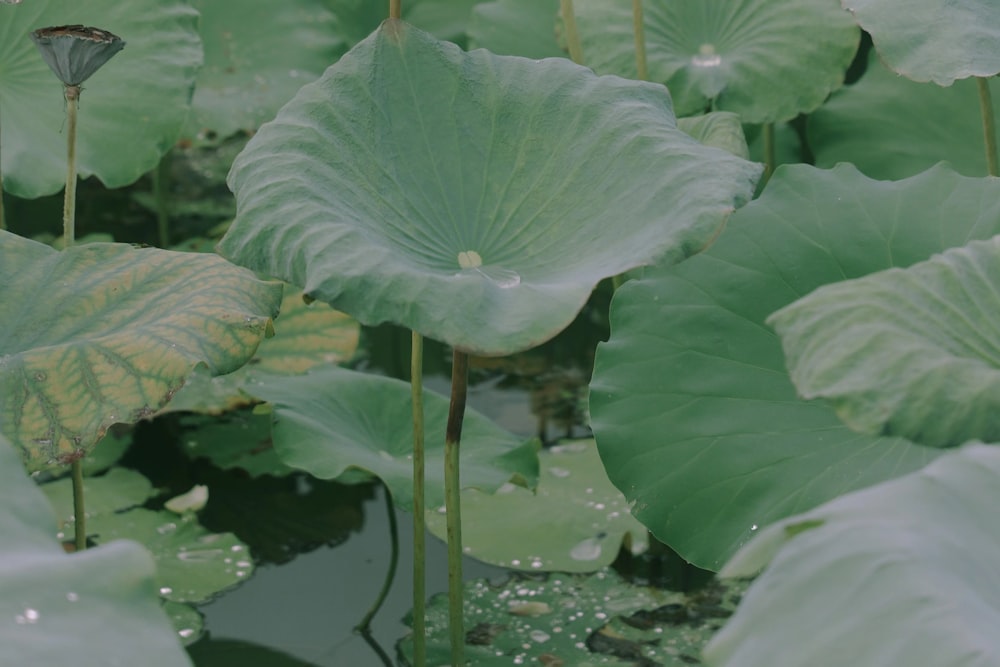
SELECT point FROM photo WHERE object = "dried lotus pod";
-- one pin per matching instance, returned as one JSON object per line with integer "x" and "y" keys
{"x": 75, "y": 52}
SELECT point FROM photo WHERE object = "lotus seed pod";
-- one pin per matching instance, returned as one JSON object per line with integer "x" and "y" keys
{"x": 75, "y": 52}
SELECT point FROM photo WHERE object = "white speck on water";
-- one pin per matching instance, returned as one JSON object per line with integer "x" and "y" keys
{"x": 28, "y": 617}
{"x": 539, "y": 636}
{"x": 72, "y": 597}
{"x": 185, "y": 633}
{"x": 166, "y": 590}
{"x": 559, "y": 472}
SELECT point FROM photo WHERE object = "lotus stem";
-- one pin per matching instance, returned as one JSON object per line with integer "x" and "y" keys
{"x": 72, "y": 94}
{"x": 989, "y": 128}
{"x": 79, "y": 515}
{"x": 395, "y": 9}
{"x": 452, "y": 489}
{"x": 419, "y": 528}
{"x": 572, "y": 34}
{"x": 364, "y": 627}
{"x": 640, "y": 40}
{"x": 2, "y": 224}
{"x": 769, "y": 159}
{"x": 161, "y": 175}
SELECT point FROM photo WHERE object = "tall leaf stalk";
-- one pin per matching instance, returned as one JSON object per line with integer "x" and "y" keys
{"x": 452, "y": 503}
{"x": 572, "y": 34}
{"x": 419, "y": 527}
{"x": 989, "y": 127}
{"x": 72, "y": 95}
{"x": 640, "y": 41}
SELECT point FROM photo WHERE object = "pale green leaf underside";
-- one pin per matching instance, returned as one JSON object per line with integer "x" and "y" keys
{"x": 873, "y": 125}
{"x": 691, "y": 404}
{"x": 408, "y": 155}
{"x": 903, "y": 573}
{"x": 574, "y": 521}
{"x": 106, "y": 333}
{"x": 332, "y": 420}
{"x": 767, "y": 60}
{"x": 131, "y": 110}
{"x": 933, "y": 40}
{"x": 910, "y": 352}
{"x": 90, "y": 609}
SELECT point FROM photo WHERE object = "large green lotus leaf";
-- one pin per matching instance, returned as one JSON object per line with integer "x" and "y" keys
{"x": 250, "y": 70}
{"x": 91, "y": 609}
{"x": 933, "y": 40}
{"x": 583, "y": 621}
{"x": 910, "y": 352}
{"x": 192, "y": 564}
{"x": 105, "y": 333}
{"x": 516, "y": 28}
{"x": 767, "y": 60}
{"x": 574, "y": 522}
{"x": 903, "y": 573}
{"x": 305, "y": 336}
{"x": 474, "y": 198}
{"x": 872, "y": 124}
{"x": 333, "y": 419}
{"x": 131, "y": 111}
{"x": 694, "y": 414}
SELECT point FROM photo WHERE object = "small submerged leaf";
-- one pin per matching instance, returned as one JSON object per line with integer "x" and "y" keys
{"x": 576, "y": 620}
{"x": 192, "y": 564}
{"x": 117, "y": 490}
{"x": 574, "y": 521}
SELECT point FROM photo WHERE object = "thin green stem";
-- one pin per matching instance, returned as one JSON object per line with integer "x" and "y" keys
{"x": 365, "y": 625}
{"x": 769, "y": 159}
{"x": 989, "y": 129}
{"x": 572, "y": 34}
{"x": 377, "y": 648}
{"x": 2, "y": 224}
{"x": 161, "y": 178}
{"x": 395, "y": 9}
{"x": 79, "y": 513}
{"x": 419, "y": 529}
{"x": 72, "y": 94}
{"x": 452, "y": 502}
{"x": 640, "y": 40}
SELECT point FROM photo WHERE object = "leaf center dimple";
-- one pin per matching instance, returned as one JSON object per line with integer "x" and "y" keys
{"x": 469, "y": 259}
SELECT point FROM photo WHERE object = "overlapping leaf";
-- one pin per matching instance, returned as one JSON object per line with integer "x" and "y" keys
{"x": 767, "y": 60}
{"x": 131, "y": 111}
{"x": 516, "y": 28}
{"x": 333, "y": 420}
{"x": 693, "y": 411}
{"x": 911, "y": 352}
{"x": 106, "y": 333}
{"x": 89, "y": 609}
{"x": 903, "y": 573}
{"x": 873, "y": 124}
{"x": 474, "y": 198}
{"x": 933, "y": 40}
